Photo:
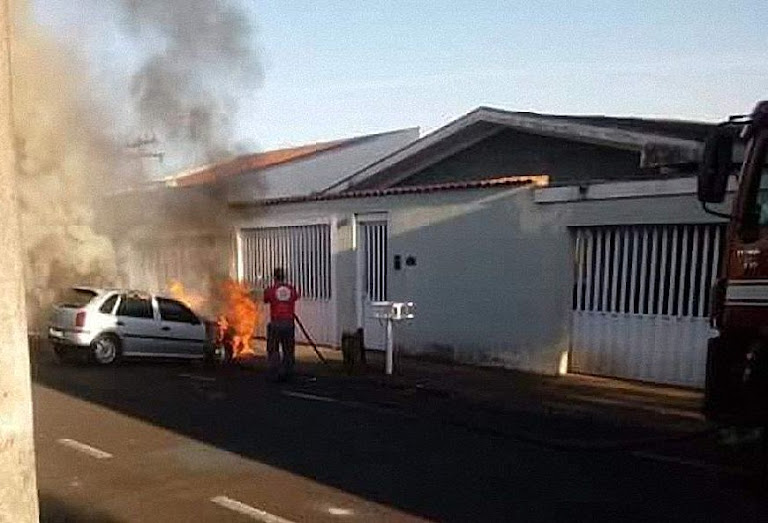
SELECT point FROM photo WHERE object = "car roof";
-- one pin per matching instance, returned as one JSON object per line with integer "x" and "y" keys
{"x": 115, "y": 290}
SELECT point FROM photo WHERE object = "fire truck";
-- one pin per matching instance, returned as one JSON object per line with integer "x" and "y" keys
{"x": 736, "y": 389}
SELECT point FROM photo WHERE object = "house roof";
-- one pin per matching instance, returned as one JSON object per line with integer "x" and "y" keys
{"x": 536, "y": 180}
{"x": 659, "y": 142}
{"x": 260, "y": 161}
{"x": 248, "y": 163}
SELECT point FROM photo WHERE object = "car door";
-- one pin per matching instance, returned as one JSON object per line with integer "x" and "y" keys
{"x": 137, "y": 325}
{"x": 181, "y": 331}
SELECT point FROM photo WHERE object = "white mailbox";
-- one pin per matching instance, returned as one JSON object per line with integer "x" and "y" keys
{"x": 391, "y": 312}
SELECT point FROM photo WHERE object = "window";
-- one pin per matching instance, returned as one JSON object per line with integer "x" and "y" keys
{"x": 756, "y": 203}
{"x": 171, "y": 310}
{"x": 76, "y": 298}
{"x": 108, "y": 306}
{"x": 135, "y": 307}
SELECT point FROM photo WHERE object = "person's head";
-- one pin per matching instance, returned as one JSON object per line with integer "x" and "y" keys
{"x": 278, "y": 274}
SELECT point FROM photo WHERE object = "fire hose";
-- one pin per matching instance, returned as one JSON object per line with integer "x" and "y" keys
{"x": 309, "y": 339}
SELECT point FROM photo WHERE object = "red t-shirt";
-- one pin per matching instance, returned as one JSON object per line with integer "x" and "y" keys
{"x": 282, "y": 301}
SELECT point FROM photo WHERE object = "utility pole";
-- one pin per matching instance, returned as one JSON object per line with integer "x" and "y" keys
{"x": 18, "y": 485}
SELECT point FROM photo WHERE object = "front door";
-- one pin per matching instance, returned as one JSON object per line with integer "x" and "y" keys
{"x": 372, "y": 243}
{"x": 136, "y": 325}
{"x": 181, "y": 332}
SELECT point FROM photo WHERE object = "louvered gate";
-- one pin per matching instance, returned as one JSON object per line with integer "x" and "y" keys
{"x": 641, "y": 301}
{"x": 304, "y": 252}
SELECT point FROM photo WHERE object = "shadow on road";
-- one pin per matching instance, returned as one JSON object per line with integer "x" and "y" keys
{"x": 55, "y": 510}
{"x": 419, "y": 467}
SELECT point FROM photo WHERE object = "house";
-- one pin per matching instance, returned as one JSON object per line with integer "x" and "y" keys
{"x": 538, "y": 242}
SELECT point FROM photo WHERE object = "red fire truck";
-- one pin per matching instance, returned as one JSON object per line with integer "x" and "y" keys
{"x": 736, "y": 390}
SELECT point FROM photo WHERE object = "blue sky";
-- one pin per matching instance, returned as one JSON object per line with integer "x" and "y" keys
{"x": 338, "y": 68}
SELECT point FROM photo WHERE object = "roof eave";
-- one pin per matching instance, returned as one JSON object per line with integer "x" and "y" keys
{"x": 688, "y": 150}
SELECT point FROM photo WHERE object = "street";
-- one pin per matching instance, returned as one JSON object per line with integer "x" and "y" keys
{"x": 175, "y": 442}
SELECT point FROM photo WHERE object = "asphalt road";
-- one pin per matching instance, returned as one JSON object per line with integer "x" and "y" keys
{"x": 174, "y": 442}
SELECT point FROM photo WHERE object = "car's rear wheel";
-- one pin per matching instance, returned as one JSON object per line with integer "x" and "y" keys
{"x": 105, "y": 350}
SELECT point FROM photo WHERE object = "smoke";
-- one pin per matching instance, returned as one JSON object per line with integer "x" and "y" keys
{"x": 191, "y": 60}
{"x": 188, "y": 88}
{"x": 63, "y": 162}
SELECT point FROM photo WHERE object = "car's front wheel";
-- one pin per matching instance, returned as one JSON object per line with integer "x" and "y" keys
{"x": 216, "y": 354}
{"x": 105, "y": 350}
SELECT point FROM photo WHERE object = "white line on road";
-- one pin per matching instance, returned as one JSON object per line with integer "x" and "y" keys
{"x": 196, "y": 377}
{"x": 337, "y": 511}
{"x": 87, "y": 449}
{"x": 309, "y": 396}
{"x": 247, "y": 510}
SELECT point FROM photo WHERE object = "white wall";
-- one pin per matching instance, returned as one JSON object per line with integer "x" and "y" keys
{"x": 494, "y": 269}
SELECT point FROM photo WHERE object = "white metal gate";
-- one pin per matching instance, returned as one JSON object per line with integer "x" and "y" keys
{"x": 641, "y": 301}
{"x": 304, "y": 252}
{"x": 372, "y": 279}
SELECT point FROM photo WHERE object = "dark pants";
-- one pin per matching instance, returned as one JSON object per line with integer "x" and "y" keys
{"x": 281, "y": 335}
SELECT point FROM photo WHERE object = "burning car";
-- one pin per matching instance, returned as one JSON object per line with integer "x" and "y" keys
{"x": 108, "y": 324}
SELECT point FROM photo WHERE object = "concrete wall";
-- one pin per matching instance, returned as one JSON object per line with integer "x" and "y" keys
{"x": 511, "y": 152}
{"x": 494, "y": 268}
{"x": 481, "y": 291}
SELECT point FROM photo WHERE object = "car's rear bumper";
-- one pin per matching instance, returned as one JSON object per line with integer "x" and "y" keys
{"x": 69, "y": 337}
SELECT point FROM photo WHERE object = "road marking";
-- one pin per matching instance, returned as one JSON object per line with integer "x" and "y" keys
{"x": 247, "y": 510}
{"x": 87, "y": 449}
{"x": 302, "y": 395}
{"x": 337, "y": 511}
{"x": 196, "y": 377}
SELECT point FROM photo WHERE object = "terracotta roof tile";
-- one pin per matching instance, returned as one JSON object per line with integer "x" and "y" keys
{"x": 249, "y": 163}
{"x": 538, "y": 180}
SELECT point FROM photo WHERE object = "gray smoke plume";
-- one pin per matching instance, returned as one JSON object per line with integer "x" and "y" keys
{"x": 195, "y": 59}
{"x": 204, "y": 60}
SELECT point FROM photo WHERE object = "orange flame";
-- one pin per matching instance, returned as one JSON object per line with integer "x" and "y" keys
{"x": 237, "y": 315}
{"x": 237, "y": 322}
{"x": 192, "y": 300}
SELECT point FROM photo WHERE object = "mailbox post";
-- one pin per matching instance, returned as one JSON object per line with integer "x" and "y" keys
{"x": 392, "y": 312}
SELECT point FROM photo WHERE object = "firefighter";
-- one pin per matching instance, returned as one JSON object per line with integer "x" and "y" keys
{"x": 281, "y": 331}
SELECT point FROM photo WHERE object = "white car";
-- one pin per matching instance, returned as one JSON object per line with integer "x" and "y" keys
{"x": 108, "y": 324}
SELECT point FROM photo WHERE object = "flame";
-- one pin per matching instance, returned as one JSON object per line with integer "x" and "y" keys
{"x": 236, "y": 324}
{"x": 192, "y": 300}
{"x": 237, "y": 315}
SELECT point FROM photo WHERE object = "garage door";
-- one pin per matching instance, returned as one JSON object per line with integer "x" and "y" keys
{"x": 641, "y": 301}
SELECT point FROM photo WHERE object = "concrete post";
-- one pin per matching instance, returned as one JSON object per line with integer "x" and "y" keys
{"x": 390, "y": 354}
{"x": 18, "y": 486}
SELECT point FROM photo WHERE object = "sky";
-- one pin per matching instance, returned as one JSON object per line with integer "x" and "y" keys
{"x": 341, "y": 68}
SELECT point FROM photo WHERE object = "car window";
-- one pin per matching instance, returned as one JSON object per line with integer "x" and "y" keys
{"x": 76, "y": 298}
{"x": 108, "y": 306}
{"x": 172, "y": 310}
{"x": 135, "y": 307}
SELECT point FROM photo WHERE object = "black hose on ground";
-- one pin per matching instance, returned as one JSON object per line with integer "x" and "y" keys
{"x": 309, "y": 339}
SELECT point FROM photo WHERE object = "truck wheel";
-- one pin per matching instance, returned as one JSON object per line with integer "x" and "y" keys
{"x": 105, "y": 350}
